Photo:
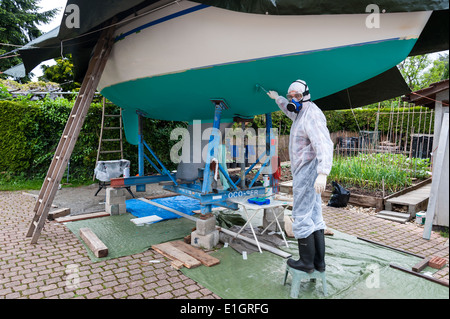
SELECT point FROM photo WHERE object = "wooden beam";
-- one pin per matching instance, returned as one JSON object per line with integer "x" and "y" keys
{"x": 93, "y": 242}
{"x": 171, "y": 252}
{"x": 421, "y": 265}
{"x": 81, "y": 217}
{"x": 198, "y": 254}
{"x": 60, "y": 212}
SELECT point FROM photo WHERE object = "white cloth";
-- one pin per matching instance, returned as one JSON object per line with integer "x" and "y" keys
{"x": 105, "y": 170}
{"x": 311, "y": 153}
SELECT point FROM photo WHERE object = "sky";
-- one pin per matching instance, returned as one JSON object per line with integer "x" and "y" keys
{"x": 48, "y": 5}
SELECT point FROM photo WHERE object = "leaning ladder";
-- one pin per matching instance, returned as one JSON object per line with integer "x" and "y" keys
{"x": 70, "y": 133}
{"x": 104, "y": 127}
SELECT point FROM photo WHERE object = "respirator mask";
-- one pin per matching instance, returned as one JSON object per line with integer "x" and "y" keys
{"x": 295, "y": 104}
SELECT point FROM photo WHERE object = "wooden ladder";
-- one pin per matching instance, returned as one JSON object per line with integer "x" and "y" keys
{"x": 70, "y": 133}
{"x": 103, "y": 128}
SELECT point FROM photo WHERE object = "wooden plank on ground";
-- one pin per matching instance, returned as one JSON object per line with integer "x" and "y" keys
{"x": 60, "y": 212}
{"x": 198, "y": 254}
{"x": 176, "y": 264}
{"x": 81, "y": 217}
{"x": 171, "y": 252}
{"x": 421, "y": 265}
{"x": 93, "y": 242}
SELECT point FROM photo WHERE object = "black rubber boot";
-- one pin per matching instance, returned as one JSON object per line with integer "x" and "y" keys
{"x": 319, "y": 257}
{"x": 306, "y": 250}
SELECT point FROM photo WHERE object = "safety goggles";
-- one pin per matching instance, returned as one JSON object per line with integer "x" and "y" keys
{"x": 297, "y": 96}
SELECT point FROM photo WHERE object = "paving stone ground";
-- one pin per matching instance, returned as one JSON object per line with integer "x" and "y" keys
{"x": 58, "y": 266}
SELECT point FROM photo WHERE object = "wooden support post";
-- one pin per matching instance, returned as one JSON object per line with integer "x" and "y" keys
{"x": 436, "y": 179}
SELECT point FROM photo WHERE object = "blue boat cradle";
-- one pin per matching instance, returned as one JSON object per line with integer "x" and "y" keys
{"x": 201, "y": 189}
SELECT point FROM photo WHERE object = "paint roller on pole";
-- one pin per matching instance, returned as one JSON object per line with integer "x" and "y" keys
{"x": 258, "y": 87}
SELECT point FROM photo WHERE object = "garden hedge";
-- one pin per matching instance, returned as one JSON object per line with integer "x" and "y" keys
{"x": 30, "y": 132}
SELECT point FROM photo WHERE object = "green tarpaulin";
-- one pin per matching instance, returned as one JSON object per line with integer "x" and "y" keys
{"x": 355, "y": 270}
{"x": 124, "y": 238}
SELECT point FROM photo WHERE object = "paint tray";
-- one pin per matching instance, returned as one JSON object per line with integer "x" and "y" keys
{"x": 259, "y": 201}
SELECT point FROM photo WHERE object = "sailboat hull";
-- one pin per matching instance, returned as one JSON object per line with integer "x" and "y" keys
{"x": 169, "y": 63}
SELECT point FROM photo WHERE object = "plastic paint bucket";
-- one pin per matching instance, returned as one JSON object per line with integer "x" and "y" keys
{"x": 126, "y": 172}
{"x": 420, "y": 218}
{"x": 266, "y": 184}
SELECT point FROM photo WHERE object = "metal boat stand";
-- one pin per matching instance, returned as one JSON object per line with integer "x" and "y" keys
{"x": 202, "y": 188}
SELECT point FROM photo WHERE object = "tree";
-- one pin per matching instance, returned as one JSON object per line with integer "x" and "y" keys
{"x": 61, "y": 72}
{"x": 420, "y": 71}
{"x": 437, "y": 72}
{"x": 411, "y": 69}
{"x": 19, "y": 21}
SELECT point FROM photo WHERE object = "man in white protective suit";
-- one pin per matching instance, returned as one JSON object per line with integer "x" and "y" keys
{"x": 311, "y": 155}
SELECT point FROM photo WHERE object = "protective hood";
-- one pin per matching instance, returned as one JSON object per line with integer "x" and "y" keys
{"x": 302, "y": 87}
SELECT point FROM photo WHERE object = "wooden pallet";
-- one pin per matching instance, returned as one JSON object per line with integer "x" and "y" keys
{"x": 183, "y": 254}
{"x": 70, "y": 133}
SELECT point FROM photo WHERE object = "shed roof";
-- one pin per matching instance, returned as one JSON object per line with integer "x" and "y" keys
{"x": 427, "y": 96}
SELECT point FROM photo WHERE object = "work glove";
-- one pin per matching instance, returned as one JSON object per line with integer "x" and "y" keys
{"x": 321, "y": 182}
{"x": 273, "y": 94}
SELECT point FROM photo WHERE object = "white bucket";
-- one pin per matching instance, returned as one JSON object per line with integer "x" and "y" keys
{"x": 420, "y": 218}
{"x": 126, "y": 172}
{"x": 266, "y": 184}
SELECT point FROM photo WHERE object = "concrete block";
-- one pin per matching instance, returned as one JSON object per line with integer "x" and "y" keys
{"x": 205, "y": 241}
{"x": 116, "y": 200}
{"x": 206, "y": 226}
{"x": 115, "y": 209}
{"x": 114, "y": 192}
{"x": 112, "y": 209}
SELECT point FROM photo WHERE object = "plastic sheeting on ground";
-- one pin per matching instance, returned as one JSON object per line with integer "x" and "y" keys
{"x": 124, "y": 238}
{"x": 181, "y": 203}
{"x": 355, "y": 269}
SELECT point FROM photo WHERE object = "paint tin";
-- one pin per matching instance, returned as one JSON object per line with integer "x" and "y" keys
{"x": 266, "y": 184}
{"x": 420, "y": 218}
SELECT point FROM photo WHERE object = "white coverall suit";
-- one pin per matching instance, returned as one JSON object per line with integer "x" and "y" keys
{"x": 311, "y": 153}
